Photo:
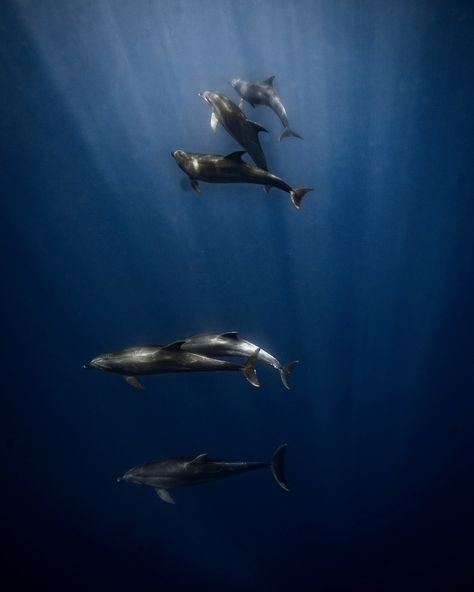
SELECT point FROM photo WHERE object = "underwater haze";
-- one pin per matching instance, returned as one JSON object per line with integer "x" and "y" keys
{"x": 370, "y": 285}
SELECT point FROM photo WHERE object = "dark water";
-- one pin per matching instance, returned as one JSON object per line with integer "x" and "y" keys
{"x": 370, "y": 285}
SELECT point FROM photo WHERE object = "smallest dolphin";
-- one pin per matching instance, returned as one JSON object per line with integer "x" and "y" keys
{"x": 263, "y": 93}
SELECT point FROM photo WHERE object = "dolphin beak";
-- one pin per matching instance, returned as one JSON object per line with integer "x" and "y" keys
{"x": 87, "y": 365}
{"x": 172, "y": 154}
{"x": 200, "y": 95}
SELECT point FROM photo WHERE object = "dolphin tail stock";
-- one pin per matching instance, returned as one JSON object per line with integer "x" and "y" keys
{"x": 298, "y": 194}
{"x": 249, "y": 369}
{"x": 285, "y": 372}
{"x": 278, "y": 466}
{"x": 289, "y": 133}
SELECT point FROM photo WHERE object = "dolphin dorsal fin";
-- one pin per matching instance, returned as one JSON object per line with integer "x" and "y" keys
{"x": 236, "y": 155}
{"x": 174, "y": 346}
{"x": 199, "y": 460}
{"x": 257, "y": 126}
{"x": 230, "y": 335}
{"x": 268, "y": 81}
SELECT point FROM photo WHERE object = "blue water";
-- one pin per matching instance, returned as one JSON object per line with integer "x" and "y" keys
{"x": 369, "y": 285}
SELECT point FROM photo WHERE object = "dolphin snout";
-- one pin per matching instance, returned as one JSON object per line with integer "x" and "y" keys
{"x": 127, "y": 477}
{"x": 100, "y": 363}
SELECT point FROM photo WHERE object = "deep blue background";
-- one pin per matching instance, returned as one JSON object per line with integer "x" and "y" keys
{"x": 370, "y": 285}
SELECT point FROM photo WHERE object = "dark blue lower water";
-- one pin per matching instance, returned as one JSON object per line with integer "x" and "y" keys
{"x": 369, "y": 285}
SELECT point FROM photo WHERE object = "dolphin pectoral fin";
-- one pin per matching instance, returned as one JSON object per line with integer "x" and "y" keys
{"x": 266, "y": 188}
{"x": 237, "y": 155}
{"x": 164, "y": 495}
{"x": 214, "y": 122}
{"x": 285, "y": 372}
{"x": 257, "y": 127}
{"x": 199, "y": 460}
{"x": 231, "y": 335}
{"x": 268, "y": 81}
{"x": 241, "y": 103}
{"x": 133, "y": 381}
{"x": 249, "y": 369}
{"x": 298, "y": 194}
{"x": 174, "y": 346}
{"x": 195, "y": 186}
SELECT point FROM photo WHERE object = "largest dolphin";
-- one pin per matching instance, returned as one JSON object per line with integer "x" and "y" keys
{"x": 263, "y": 93}
{"x": 243, "y": 130}
{"x": 215, "y": 168}
{"x": 131, "y": 362}
{"x": 231, "y": 344}
{"x": 183, "y": 471}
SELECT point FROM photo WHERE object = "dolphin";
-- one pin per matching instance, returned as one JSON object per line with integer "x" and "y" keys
{"x": 231, "y": 344}
{"x": 243, "y": 130}
{"x": 263, "y": 93}
{"x": 183, "y": 471}
{"x": 214, "y": 168}
{"x": 154, "y": 359}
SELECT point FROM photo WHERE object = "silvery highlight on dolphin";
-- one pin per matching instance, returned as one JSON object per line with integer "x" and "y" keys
{"x": 233, "y": 120}
{"x": 132, "y": 362}
{"x": 183, "y": 471}
{"x": 231, "y": 344}
{"x": 263, "y": 93}
{"x": 215, "y": 168}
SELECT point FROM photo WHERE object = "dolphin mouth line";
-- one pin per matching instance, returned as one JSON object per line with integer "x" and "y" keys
{"x": 201, "y": 94}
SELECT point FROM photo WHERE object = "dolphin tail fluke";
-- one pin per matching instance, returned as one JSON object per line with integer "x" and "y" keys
{"x": 298, "y": 194}
{"x": 278, "y": 466}
{"x": 249, "y": 369}
{"x": 289, "y": 133}
{"x": 285, "y": 372}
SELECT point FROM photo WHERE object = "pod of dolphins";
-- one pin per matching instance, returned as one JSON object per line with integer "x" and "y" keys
{"x": 230, "y": 168}
{"x": 202, "y": 352}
